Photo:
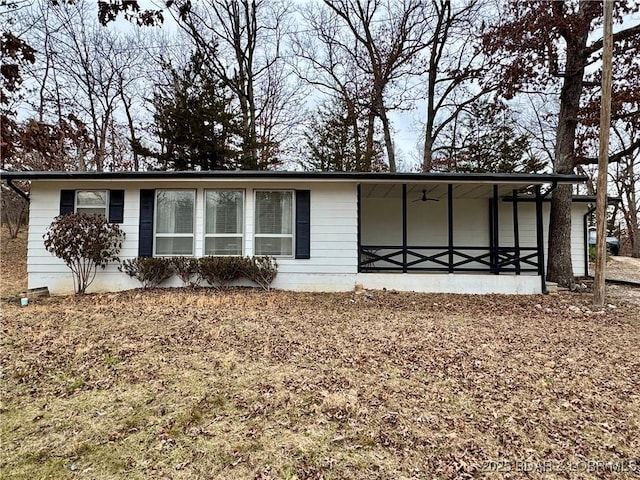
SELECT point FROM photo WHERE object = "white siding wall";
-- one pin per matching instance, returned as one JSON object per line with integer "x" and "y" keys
{"x": 334, "y": 256}
{"x": 527, "y": 229}
{"x": 332, "y": 266}
{"x": 427, "y": 225}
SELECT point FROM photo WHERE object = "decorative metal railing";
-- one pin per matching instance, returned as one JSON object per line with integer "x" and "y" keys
{"x": 389, "y": 258}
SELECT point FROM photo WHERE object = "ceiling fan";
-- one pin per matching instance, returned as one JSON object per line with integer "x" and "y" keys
{"x": 425, "y": 198}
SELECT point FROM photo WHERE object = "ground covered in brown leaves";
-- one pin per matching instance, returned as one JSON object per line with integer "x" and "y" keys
{"x": 200, "y": 384}
{"x": 13, "y": 264}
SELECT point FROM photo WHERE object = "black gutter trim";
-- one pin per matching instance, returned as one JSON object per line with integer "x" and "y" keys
{"x": 11, "y": 185}
{"x": 574, "y": 199}
{"x": 532, "y": 178}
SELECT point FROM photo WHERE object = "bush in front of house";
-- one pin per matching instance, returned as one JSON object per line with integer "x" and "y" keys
{"x": 260, "y": 270}
{"x": 84, "y": 243}
{"x": 187, "y": 270}
{"x": 220, "y": 271}
{"x": 150, "y": 271}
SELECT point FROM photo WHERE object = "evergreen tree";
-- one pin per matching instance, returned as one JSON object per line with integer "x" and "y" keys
{"x": 194, "y": 120}
{"x": 486, "y": 140}
{"x": 335, "y": 141}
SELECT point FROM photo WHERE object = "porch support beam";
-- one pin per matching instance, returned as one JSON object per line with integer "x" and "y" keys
{"x": 540, "y": 240}
{"x": 494, "y": 236}
{"x": 450, "y": 224}
{"x": 491, "y": 240}
{"x": 404, "y": 228}
{"x": 516, "y": 231}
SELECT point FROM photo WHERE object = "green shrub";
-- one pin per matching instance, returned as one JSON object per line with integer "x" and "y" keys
{"x": 260, "y": 270}
{"x": 150, "y": 271}
{"x": 592, "y": 254}
{"x": 220, "y": 271}
{"x": 186, "y": 268}
{"x": 84, "y": 242}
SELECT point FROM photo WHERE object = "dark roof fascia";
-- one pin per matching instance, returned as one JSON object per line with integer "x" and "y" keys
{"x": 531, "y": 179}
{"x": 574, "y": 199}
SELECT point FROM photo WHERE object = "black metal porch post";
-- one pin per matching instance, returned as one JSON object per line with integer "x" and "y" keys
{"x": 404, "y": 228}
{"x": 540, "y": 240}
{"x": 450, "y": 221}
{"x": 516, "y": 231}
{"x": 491, "y": 242}
{"x": 495, "y": 257}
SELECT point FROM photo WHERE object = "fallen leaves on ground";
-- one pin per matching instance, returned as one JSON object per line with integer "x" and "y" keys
{"x": 247, "y": 384}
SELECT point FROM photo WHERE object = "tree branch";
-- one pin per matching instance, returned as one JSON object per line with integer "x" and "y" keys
{"x": 621, "y": 35}
{"x": 616, "y": 157}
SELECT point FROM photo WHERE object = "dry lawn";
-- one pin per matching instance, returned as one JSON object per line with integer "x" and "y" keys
{"x": 244, "y": 384}
{"x": 199, "y": 384}
{"x": 13, "y": 264}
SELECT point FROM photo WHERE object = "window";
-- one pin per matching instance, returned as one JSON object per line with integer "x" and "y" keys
{"x": 91, "y": 202}
{"x": 174, "y": 222}
{"x": 274, "y": 223}
{"x": 224, "y": 217}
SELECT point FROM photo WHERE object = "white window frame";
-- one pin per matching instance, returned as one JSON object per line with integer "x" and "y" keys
{"x": 157, "y": 235}
{"x": 291, "y": 235}
{"x": 224, "y": 235}
{"x": 81, "y": 207}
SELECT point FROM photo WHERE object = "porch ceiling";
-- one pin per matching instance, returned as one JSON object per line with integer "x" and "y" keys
{"x": 438, "y": 190}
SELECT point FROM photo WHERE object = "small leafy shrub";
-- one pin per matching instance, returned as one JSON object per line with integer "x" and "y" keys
{"x": 220, "y": 271}
{"x": 150, "y": 271}
{"x": 186, "y": 268}
{"x": 260, "y": 270}
{"x": 84, "y": 242}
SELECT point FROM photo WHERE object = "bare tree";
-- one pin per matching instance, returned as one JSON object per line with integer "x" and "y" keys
{"x": 625, "y": 176}
{"x": 84, "y": 71}
{"x": 388, "y": 39}
{"x": 324, "y": 60}
{"x": 456, "y": 68}
{"x": 243, "y": 42}
{"x": 14, "y": 209}
{"x": 551, "y": 44}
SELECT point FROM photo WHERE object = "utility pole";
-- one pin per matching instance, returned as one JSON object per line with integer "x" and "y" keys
{"x": 603, "y": 156}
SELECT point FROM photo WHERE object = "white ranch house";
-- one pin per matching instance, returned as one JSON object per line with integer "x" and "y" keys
{"x": 426, "y": 232}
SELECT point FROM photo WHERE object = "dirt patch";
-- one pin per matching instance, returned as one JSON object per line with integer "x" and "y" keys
{"x": 247, "y": 384}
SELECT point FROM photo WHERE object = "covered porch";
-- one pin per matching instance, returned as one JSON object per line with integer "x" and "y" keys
{"x": 464, "y": 226}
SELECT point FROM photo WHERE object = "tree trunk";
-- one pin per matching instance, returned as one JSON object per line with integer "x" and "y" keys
{"x": 559, "y": 266}
{"x": 427, "y": 155}
{"x": 387, "y": 138}
{"x": 368, "y": 152}
{"x": 135, "y": 146}
{"x": 353, "y": 116}
{"x": 633, "y": 223}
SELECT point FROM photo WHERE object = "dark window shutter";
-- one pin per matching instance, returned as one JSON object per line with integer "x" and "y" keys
{"x": 116, "y": 206}
{"x": 67, "y": 201}
{"x": 303, "y": 224}
{"x": 145, "y": 235}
